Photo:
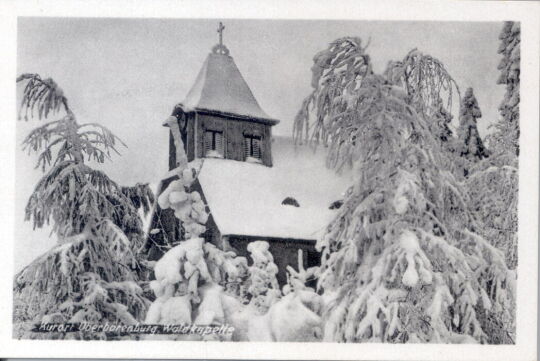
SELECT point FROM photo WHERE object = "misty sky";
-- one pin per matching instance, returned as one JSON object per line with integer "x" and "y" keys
{"x": 127, "y": 74}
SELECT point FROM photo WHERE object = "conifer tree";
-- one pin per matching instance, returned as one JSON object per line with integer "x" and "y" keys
{"x": 425, "y": 82}
{"x": 441, "y": 127}
{"x": 472, "y": 146}
{"x": 402, "y": 260}
{"x": 469, "y": 143}
{"x": 430, "y": 90}
{"x": 91, "y": 275}
{"x": 494, "y": 182}
{"x": 506, "y": 135}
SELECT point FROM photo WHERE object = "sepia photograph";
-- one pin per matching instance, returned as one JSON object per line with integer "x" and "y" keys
{"x": 257, "y": 180}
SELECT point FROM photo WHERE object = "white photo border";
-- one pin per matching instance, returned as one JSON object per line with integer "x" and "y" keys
{"x": 525, "y": 12}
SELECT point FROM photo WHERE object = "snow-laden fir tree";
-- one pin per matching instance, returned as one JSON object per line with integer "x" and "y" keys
{"x": 506, "y": 134}
{"x": 426, "y": 82}
{"x": 470, "y": 145}
{"x": 430, "y": 90}
{"x": 441, "y": 125}
{"x": 402, "y": 261}
{"x": 494, "y": 182}
{"x": 92, "y": 273}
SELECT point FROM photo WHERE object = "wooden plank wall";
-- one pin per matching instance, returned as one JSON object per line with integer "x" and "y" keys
{"x": 233, "y": 131}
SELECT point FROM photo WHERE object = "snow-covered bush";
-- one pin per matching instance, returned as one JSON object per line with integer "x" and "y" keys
{"x": 298, "y": 280}
{"x": 92, "y": 274}
{"x": 187, "y": 286}
{"x": 294, "y": 317}
{"x": 402, "y": 261}
{"x": 184, "y": 296}
{"x": 262, "y": 284}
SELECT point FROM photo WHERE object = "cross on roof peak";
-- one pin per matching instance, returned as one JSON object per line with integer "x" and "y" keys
{"x": 220, "y": 29}
{"x": 220, "y": 48}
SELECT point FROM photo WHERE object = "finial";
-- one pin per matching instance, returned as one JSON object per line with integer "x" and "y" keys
{"x": 220, "y": 48}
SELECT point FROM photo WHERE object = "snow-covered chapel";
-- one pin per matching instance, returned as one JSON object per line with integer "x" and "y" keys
{"x": 256, "y": 186}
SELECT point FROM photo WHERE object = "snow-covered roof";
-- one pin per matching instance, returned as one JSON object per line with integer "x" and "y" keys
{"x": 246, "y": 198}
{"x": 220, "y": 87}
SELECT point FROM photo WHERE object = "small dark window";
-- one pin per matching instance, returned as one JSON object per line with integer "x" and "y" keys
{"x": 252, "y": 147}
{"x": 336, "y": 204}
{"x": 290, "y": 201}
{"x": 213, "y": 144}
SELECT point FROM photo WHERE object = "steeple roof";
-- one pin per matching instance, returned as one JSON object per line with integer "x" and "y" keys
{"x": 220, "y": 88}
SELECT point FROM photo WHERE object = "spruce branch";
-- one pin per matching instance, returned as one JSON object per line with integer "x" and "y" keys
{"x": 41, "y": 95}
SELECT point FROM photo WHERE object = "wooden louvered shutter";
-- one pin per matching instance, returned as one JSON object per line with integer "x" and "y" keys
{"x": 219, "y": 143}
{"x": 246, "y": 147}
{"x": 256, "y": 148}
{"x": 252, "y": 147}
{"x": 207, "y": 142}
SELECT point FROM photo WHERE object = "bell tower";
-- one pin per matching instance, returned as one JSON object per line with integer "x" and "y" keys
{"x": 220, "y": 117}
